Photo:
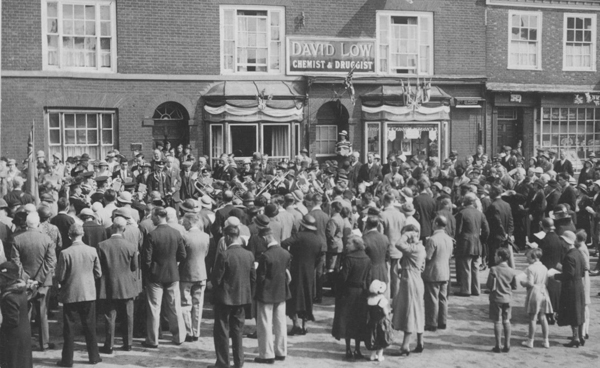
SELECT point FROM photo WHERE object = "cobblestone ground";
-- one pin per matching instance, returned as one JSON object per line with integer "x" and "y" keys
{"x": 466, "y": 343}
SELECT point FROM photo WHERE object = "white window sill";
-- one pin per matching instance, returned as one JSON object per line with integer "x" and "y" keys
{"x": 79, "y": 70}
{"x": 326, "y": 155}
{"x": 524, "y": 68}
{"x": 579, "y": 70}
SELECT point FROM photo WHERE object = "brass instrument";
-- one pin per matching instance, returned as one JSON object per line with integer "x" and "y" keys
{"x": 206, "y": 190}
{"x": 276, "y": 178}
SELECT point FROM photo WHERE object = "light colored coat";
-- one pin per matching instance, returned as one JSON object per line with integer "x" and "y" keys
{"x": 193, "y": 268}
{"x": 78, "y": 267}
{"x": 439, "y": 251}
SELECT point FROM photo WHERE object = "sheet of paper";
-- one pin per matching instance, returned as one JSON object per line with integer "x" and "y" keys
{"x": 541, "y": 235}
{"x": 552, "y": 272}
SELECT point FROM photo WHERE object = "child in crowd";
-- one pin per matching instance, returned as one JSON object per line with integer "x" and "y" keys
{"x": 501, "y": 281}
{"x": 537, "y": 303}
{"x": 378, "y": 325}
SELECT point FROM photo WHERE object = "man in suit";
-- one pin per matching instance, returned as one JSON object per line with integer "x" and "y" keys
{"x": 188, "y": 178}
{"x": 369, "y": 171}
{"x": 233, "y": 280}
{"x": 393, "y": 221}
{"x": 436, "y": 276}
{"x": 315, "y": 201}
{"x": 174, "y": 175}
{"x": 192, "y": 274}
{"x": 568, "y": 196}
{"x": 159, "y": 181}
{"x": 425, "y": 206}
{"x": 471, "y": 229}
{"x": 94, "y": 233}
{"x": 500, "y": 221}
{"x": 163, "y": 248}
{"x": 63, "y": 221}
{"x": 78, "y": 267}
{"x": 222, "y": 214}
{"x": 123, "y": 172}
{"x": 563, "y": 165}
{"x": 354, "y": 170}
{"x": 35, "y": 254}
{"x": 272, "y": 291}
{"x": 119, "y": 262}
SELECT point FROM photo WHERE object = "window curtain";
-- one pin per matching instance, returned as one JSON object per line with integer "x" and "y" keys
{"x": 279, "y": 141}
{"x": 242, "y": 50}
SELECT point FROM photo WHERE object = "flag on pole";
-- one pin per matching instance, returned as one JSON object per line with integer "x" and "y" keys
{"x": 32, "y": 184}
{"x": 349, "y": 85}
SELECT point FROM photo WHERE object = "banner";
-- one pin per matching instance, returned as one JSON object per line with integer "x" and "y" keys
{"x": 330, "y": 56}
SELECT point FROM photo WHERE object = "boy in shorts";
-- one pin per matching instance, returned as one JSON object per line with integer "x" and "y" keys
{"x": 501, "y": 281}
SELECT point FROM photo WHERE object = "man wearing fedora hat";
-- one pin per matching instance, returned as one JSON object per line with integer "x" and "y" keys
{"x": 305, "y": 247}
{"x": 94, "y": 233}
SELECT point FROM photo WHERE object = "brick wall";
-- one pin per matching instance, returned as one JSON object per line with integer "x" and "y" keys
{"x": 182, "y": 37}
{"x": 552, "y": 51}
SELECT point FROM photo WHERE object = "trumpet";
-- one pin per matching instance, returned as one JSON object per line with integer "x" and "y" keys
{"x": 205, "y": 189}
{"x": 275, "y": 179}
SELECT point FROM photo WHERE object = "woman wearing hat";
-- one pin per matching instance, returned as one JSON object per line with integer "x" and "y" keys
{"x": 15, "y": 332}
{"x": 408, "y": 209}
{"x": 305, "y": 247}
{"x": 571, "y": 309}
{"x": 409, "y": 305}
{"x": 562, "y": 219}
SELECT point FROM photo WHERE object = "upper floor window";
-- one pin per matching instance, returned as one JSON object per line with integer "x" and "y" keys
{"x": 524, "y": 40}
{"x": 251, "y": 39}
{"x": 79, "y": 35}
{"x": 405, "y": 41}
{"x": 579, "y": 50}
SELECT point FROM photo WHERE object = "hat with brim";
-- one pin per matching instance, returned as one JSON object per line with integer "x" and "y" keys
{"x": 299, "y": 196}
{"x": 569, "y": 237}
{"x": 206, "y": 202}
{"x": 122, "y": 212}
{"x": 189, "y": 206}
{"x": 9, "y": 270}
{"x": 261, "y": 221}
{"x": 271, "y": 210}
{"x": 583, "y": 188}
{"x": 560, "y": 214}
{"x": 87, "y": 213}
{"x": 408, "y": 209}
{"x": 309, "y": 222}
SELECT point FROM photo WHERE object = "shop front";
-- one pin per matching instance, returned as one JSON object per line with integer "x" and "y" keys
{"x": 243, "y": 117}
{"x": 420, "y": 128}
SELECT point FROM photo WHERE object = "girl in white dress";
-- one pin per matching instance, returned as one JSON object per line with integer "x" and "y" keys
{"x": 537, "y": 303}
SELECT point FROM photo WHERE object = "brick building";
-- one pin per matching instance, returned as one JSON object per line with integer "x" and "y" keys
{"x": 542, "y": 76}
{"x": 246, "y": 75}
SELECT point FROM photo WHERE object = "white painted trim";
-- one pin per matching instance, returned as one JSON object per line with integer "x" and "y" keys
{"x": 592, "y": 67}
{"x": 556, "y": 4}
{"x": 113, "y": 37}
{"x": 317, "y": 140}
{"x": 389, "y": 14}
{"x": 282, "y": 35}
{"x": 539, "y": 39}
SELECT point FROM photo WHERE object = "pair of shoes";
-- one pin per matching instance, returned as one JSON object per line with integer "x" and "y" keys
{"x": 546, "y": 344}
{"x": 358, "y": 355}
{"x": 474, "y": 294}
{"x": 303, "y": 331}
{"x": 419, "y": 349}
{"x": 126, "y": 348}
{"x": 373, "y": 356}
{"x": 61, "y": 364}
{"x": 189, "y": 338}
{"x": 487, "y": 291}
{"x": 404, "y": 352}
{"x": 295, "y": 331}
{"x": 527, "y": 344}
{"x": 496, "y": 349}
{"x": 572, "y": 344}
{"x": 587, "y": 336}
{"x": 49, "y": 346}
{"x": 94, "y": 362}
{"x": 441, "y": 327}
{"x": 264, "y": 361}
{"x": 105, "y": 350}
{"x": 506, "y": 349}
{"x": 280, "y": 358}
{"x": 462, "y": 294}
{"x": 149, "y": 346}
{"x": 430, "y": 328}
{"x": 582, "y": 342}
{"x": 253, "y": 335}
{"x": 349, "y": 355}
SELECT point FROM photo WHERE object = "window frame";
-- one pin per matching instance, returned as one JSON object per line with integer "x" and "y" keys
{"x": 592, "y": 67}
{"x": 317, "y": 140}
{"x": 113, "y": 37}
{"x": 62, "y": 145}
{"x": 289, "y": 138}
{"x": 389, "y": 14}
{"x": 539, "y": 39}
{"x": 229, "y": 135}
{"x": 268, "y": 9}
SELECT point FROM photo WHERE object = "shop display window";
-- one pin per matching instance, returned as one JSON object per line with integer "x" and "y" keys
{"x": 576, "y": 131}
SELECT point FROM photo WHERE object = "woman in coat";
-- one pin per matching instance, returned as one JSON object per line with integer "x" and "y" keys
{"x": 350, "y": 318}
{"x": 305, "y": 247}
{"x": 571, "y": 310}
{"x": 377, "y": 248}
{"x": 409, "y": 305}
{"x": 15, "y": 332}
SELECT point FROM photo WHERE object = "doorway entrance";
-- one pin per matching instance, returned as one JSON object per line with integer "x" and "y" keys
{"x": 509, "y": 127}
{"x": 171, "y": 124}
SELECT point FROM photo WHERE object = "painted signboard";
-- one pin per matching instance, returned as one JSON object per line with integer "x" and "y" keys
{"x": 330, "y": 56}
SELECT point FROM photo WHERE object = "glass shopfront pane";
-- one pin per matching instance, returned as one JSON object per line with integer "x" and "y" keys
{"x": 276, "y": 140}
{"x": 373, "y": 138}
{"x": 243, "y": 140}
{"x": 413, "y": 139}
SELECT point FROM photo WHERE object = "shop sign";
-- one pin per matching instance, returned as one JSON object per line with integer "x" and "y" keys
{"x": 316, "y": 55}
{"x": 587, "y": 97}
{"x": 516, "y": 98}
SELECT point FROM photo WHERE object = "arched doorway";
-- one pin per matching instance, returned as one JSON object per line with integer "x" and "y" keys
{"x": 171, "y": 124}
{"x": 332, "y": 118}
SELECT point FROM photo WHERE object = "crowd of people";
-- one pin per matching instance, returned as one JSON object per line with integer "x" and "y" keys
{"x": 139, "y": 241}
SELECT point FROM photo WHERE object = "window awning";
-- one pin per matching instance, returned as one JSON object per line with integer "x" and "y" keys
{"x": 388, "y": 102}
{"x": 248, "y": 101}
